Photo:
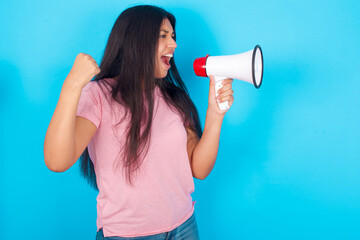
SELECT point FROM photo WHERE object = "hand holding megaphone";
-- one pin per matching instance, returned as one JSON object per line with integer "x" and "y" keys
{"x": 246, "y": 66}
{"x": 221, "y": 96}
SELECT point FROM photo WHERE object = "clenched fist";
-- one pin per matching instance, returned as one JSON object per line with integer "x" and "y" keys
{"x": 83, "y": 70}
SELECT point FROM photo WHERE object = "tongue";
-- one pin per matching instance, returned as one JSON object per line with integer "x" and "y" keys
{"x": 165, "y": 60}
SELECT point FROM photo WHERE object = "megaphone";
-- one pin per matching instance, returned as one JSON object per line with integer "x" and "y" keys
{"x": 246, "y": 66}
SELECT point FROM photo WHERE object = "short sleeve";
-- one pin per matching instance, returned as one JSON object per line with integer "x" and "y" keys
{"x": 89, "y": 106}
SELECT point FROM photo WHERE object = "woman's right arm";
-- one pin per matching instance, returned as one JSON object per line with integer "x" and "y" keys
{"x": 68, "y": 135}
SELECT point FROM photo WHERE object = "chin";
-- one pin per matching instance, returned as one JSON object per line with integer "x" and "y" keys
{"x": 161, "y": 75}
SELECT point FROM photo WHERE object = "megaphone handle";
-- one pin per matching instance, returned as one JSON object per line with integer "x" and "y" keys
{"x": 218, "y": 84}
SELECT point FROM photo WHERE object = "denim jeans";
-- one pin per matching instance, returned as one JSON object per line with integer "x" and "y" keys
{"x": 186, "y": 231}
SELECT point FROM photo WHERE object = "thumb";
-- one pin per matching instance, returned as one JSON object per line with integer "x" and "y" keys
{"x": 212, "y": 88}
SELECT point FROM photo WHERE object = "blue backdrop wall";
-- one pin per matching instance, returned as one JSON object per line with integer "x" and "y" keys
{"x": 289, "y": 159}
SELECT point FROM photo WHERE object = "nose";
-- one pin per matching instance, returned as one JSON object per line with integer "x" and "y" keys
{"x": 172, "y": 43}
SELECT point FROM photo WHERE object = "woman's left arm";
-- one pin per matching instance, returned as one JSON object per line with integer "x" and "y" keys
{"x": 202, "y": 152}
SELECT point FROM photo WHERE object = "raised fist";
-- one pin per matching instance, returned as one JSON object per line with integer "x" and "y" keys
{"x": 83, "y": 70}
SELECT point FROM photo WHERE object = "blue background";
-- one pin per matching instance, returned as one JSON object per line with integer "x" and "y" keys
{"x": 289, "y": 159}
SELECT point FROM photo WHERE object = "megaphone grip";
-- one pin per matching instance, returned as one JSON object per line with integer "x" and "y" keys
{"x": 218, "y": 84}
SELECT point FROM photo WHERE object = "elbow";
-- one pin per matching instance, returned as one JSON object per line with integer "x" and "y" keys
{"x": 57, "y": 160}
{"x": 200, "y": 176}
{"x": 200, "y": 172}
{"x": 54, "y": 164}
{"x": 54, "y": 168}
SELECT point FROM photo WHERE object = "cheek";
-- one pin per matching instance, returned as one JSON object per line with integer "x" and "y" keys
{"x": 161, "y": 45}
{"x": 157, "y": 62}
{"x": 158, "y": 54}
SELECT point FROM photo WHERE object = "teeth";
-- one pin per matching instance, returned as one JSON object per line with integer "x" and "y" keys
{"x": 168, "y": 55}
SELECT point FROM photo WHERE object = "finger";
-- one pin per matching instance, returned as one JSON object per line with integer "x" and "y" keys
{"x": 224, "y": 88}
{"x": 97, "y": 71}
{"x": 92, "y": 60}
{"x": 227, "y": 81}
{"x": 95, "y": 65}
{"x": 212, "y": 80}
{"x": 89, "y": 57}
{"x": 212, "y": 87}
{"x": 225, "y": 98}
{"x": 231, "y": 101}
{"x": 225, "y": 94}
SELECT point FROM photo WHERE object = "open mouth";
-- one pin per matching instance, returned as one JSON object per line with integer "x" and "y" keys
{"x": 166, "y": 59}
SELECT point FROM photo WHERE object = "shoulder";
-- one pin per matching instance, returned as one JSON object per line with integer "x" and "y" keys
{"x": 97, "y": 85}
{"x": 91, "y": 88}
{"x": 100, "y": 88}
{"x": 96, "y": 93}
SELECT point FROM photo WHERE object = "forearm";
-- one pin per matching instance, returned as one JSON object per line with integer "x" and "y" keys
{"x": 205, "y": 152}
{"x": 59, "y": 145}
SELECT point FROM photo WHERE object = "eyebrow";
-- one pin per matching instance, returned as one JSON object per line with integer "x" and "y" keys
{"x": 166, "y": 31}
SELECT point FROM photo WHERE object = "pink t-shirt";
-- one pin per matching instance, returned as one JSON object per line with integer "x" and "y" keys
{"x": 160, "y": 198}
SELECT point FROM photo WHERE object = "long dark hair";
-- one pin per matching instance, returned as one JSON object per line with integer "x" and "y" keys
{"x": 129, "y": 59}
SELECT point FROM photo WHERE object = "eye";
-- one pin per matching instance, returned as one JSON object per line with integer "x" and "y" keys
{"x": 163, "y": 36}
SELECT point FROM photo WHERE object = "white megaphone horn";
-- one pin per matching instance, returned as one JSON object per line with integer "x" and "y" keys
{"x": 246, "y": 66}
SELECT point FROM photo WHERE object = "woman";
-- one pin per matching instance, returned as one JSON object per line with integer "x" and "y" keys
{"x": 137, "y": 130}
